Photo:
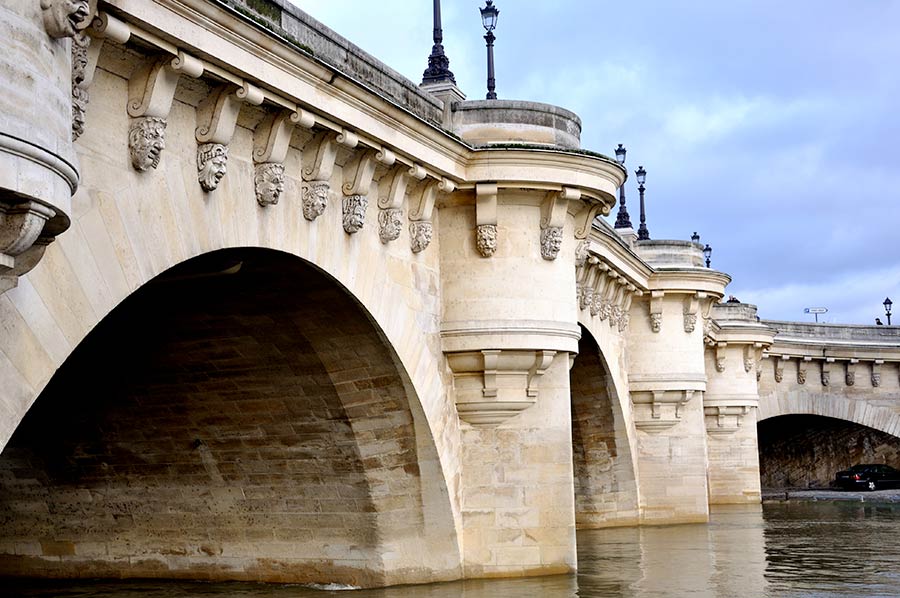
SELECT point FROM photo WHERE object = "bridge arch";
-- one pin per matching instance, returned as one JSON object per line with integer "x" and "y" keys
{"x": 606, "y": 492}
{"x": 130, "y": 227}
{"x": 834, "y": 406}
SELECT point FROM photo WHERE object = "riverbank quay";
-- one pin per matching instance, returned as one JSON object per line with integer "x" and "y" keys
{"x": 825, "y": 494}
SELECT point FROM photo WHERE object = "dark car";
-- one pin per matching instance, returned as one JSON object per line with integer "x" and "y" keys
{"x": 868, "y": 477}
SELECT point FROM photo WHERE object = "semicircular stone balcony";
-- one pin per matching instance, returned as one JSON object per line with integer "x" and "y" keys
{"x": 501, "y": 122}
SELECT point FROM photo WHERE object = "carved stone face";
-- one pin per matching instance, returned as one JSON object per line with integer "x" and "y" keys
{"x": 62, "y": 18}
{"x": 212, "y": 163}
{"x": 390, "y": 223}
{"x": 269, "y": 183}
{"x": 146, "y": 140}
{"x": 420, "y": 234}
{"x": 315, "y": 199}
{"x": 79, "y": 105}
{"x": 486, "y": 239}
{"x": 354, "y": 212}
{"x": 551, "y": 242}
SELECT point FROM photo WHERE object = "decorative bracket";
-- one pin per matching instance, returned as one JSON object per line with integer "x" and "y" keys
{"x": 664, "y": 408}
{"x": 360, "y": 179}
{"x": 326, "y": 148}
{"x": 272, "y": 138}
{"x": 486, "y": 218}
{"x": 102, "y": 28}
{"x": 152, "y": 87}
{"x": 217, "y": 115}
{"x": 656, "y": 304}
{"x": 720, "y": 356}
{"x": 494, "y": 385}
{"x": 851, "y": 372}
{"x": 691, "y": 307}
{"x": 725, "y": 419}
{"x": 826, "y": 371}
{"x": 585, "y": 218}
{"x": 876, "y": 372}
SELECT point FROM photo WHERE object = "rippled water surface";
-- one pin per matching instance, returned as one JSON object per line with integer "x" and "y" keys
{"x": 789, "y": 550}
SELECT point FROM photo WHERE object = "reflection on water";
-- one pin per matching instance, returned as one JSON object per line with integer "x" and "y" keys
{"x": 792, "y": 550}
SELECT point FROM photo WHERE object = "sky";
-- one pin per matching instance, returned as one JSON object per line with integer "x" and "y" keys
{"x": 769, "y": 127}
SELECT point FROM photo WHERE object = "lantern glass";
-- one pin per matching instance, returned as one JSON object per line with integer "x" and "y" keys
{"x": 641, "y": 175}
{"x": 707, "y": 251}
{"x": 620, "y": 154}
{"x": 887, "y": 305}
{"x": 489, "y": 16}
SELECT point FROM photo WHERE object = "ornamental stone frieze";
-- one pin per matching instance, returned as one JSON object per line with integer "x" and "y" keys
{"x": 604, "y": 292}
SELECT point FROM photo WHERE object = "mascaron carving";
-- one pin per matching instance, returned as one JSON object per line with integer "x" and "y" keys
{"x": 656, "y": 322}
{"x": 63, "y": 18}
{"x": 850, "y": 378}
{"x": 268, "y": 182}
{"x": 826, "y": 378}
{"x": 390, "y": 223}
{"x": 212, "y": 163}
{"x": 80, "y": 96}
{"x": 581, "y": 253}
{"x": 551, "y": 242}
{"x": 353, "y": 208}
{"x": 690, "y": 323}
{"x": 876, "y": 379}
{"x": 486, "y": 239}
{"x": 146, "y": 141}
{"x": 420, "y": 235}
{"x": 315, "y": 199}
{"x": 801, "y": 377}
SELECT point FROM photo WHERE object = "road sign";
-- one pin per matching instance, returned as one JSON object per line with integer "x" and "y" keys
{"x": 816, "y": 311}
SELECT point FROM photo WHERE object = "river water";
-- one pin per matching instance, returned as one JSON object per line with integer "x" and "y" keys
{"x": 783, "y": 550}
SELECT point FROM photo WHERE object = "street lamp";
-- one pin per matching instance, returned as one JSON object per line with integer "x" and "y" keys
{"x": 707, "y": 253}
{"x": 623, "y": 220}
{"x": 695, "y": 238}
{"x": 887, "y": 309}
{"x": 438, "y": 70}
{"x": 643, "y": 233}
{"x": 489, "y": 16}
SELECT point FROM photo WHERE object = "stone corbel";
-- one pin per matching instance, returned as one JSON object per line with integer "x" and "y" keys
{"x": 779, "y": 367}
{"x": 591, "y": 272}
{"x": 21, "y": 225}
{"x": 749, "y": 357}
{"x": 553, "y": 217}
{"x": 625, "y": 319}
{"x": 270, "y": 145}
{"x": 657, "y": 410}
{"x": 691, "y": 307}
{"x": 581, "y": 275}
{"x": 421, "y": 229}
{"x": 494, "y": 385}
{"x": 319, "y": 157}
{"x": 617, "y": 311}
{"x": 801, "y": 370}
{"x": 356, "y": 191}
{"x": 876, "y": 372}
{"x": 151, "y": 90}
{"x": 724, "y": 419}
{"x": 720, "y": 349}
{"x": 581, "y": 252}
{"x": 850, "y": 377}
{"x": 216, "y": 117}
{"x": 604, "y": 280}
{"x": 103, "y": 27}
{"x": 486, "y": 218}
{"x": 585, "y": 218}
{"x": 656, "y": 305}
{"x": 390, "y": 206}
{"x": 826, "y": 371}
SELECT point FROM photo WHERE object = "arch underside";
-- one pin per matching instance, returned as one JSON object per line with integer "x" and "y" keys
{"x": 605, "y": 476}
{"x": 860, "y": 411}
{"x": 240, "y": 417}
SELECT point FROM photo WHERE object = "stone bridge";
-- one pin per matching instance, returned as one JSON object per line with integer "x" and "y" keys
{"x": 270, "y": 311}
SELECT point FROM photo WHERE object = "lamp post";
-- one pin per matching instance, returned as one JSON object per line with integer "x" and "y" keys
{"x": 623, "y": 220}
{"x": 707, "y": 253}
{"x": 887, "y": 309}
{"x": 438, "y": 70}
{"x": 489, "y": 16}
{"x": 643, "y": 233}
